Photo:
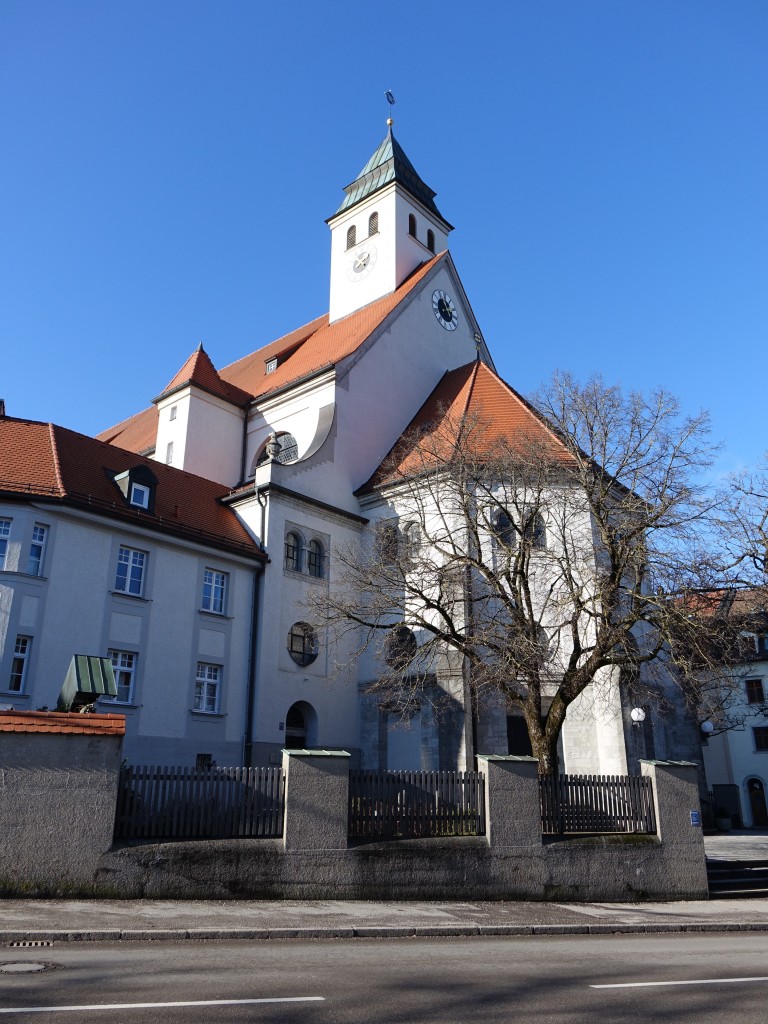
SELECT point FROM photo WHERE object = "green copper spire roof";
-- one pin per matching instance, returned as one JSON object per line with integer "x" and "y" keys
{"x": 389, "y": 163}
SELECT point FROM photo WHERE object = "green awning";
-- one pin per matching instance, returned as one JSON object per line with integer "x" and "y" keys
{"x": 88, "y": 677}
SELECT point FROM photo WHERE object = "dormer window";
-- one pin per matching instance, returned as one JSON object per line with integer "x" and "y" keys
{"x": 351, "y": 236}
{"x": 138, "y": 486}
{"x": 272, "y": 365}
{"x": 373, "y": 224}
{"x": 139, "y": 496}
{"x": 412, "y": 225}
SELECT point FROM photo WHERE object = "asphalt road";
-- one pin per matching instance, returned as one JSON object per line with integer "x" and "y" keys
{"x": 704, "y": 979}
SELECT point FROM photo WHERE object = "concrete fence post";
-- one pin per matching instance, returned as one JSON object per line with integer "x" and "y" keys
{"x": 316, "y": 795}
{"x": 58, "y": 792}
{"x": 512, "y": 809}
{"x": 678, "y": 825}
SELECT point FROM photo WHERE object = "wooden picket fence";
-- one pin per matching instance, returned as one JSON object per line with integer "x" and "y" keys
{"x": 403, "y": 804}
{"x": 596, "y": 803}
{"x": 193, "y": 803}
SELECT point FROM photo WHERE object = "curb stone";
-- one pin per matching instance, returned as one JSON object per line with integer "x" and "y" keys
{"x": 373, "y": 932}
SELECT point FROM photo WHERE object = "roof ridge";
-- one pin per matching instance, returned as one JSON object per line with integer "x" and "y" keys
{"x": 55, "y": 457}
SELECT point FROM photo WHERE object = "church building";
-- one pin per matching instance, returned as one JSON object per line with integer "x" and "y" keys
{"x": 186, "y": 543}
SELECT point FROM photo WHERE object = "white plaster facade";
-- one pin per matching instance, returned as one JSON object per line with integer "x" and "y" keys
{"x": 73, "y": 607}
{"x": 738, "y": 757}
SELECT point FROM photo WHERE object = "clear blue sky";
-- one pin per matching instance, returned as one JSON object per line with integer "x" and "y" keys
{"x": 167, "y": 168}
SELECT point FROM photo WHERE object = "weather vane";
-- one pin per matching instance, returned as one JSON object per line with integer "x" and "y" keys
{"x": 391, "y": 102}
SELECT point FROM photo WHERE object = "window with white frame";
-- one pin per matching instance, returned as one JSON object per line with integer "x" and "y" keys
{"x": 173, "y": 412}
{"x": 207, "y": 688}
{"x": 124, "y": 667}
{"x": 37, "y": 550}
{"x": 139, "y": 496}
{"x": 5, "y": 533}
{"x": 131, "y": 565}
{"x": 214, "y": 591}
{"x": 169, "y": 454}
{"x": 20, "y": 664}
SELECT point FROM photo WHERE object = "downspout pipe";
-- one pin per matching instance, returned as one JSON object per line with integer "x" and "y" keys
{"x": 250, "y": 705}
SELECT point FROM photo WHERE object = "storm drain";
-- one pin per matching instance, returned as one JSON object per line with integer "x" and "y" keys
{"x": 31, "y": 942}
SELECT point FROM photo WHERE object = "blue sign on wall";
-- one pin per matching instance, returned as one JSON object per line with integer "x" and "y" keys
{"x": 695, "y": 817}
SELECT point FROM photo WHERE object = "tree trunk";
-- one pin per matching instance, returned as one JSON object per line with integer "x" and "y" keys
{"x": 545, "y": 751}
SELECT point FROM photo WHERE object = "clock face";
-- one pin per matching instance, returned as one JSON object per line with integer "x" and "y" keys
{"x": 362, "y": 263}
{"x": 445, "y": 310}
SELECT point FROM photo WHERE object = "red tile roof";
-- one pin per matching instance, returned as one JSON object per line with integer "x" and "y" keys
{"x": 303, "y": 352}
{"x": 470, "y": 392}
{"x": 59, "y": 722}
{"x": 199, "y": 370}
{"x": 45, "y": 460}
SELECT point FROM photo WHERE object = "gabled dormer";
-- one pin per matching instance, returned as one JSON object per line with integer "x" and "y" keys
{"x": 387, "y": 226}
{"x": 200, "y": 422}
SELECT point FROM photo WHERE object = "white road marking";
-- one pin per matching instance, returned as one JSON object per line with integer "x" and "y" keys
{"x": 661, "y": 984}
{"x": 152, "y": 1006}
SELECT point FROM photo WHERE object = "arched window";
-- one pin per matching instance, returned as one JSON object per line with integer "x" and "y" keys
{"x": 412, "y": 541}
{"x": 293, "y": 552}
{"x": 431, "y": 240}
{"x": 412, "y": 225}
{"x": 316, "y": 559}
{"x": 535, "y": 532}
{"x": 373, "y": 224}
{"x": 387, "y": 541}
{"x": 289, "y": 449}
{"x": 503, "y": 530}
{"x": 351, "y": 236}
{"x": 400, "y": 647}
{"x": 302, "y": 643}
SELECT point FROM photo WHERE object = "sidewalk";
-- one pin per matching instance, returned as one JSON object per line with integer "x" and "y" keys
{"x": 129, "y": 920}
{"x": 137, "y": 920}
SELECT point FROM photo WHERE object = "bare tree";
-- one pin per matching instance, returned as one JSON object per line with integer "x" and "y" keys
{"x": 537, "y": 552}
{"x": 744, "y": 527}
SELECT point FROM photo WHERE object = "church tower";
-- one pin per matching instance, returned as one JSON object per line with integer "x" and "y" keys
{"x": 387, "y": 226}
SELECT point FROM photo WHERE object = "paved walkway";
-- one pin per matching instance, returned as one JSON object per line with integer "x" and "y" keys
{"x": 132, "y": 920}
{"x": 741, "y": 844}
{"x": 127, "y": 920}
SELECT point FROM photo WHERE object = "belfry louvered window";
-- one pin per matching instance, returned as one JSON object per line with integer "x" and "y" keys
{"x": 373, "y": 224}
{"x": 351, "y": 236}
{"x": 412, "y": 225}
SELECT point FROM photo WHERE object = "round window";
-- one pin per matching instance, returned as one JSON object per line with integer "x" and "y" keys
{"x": 400, "y": 647}
{"x": 302, "y": 643}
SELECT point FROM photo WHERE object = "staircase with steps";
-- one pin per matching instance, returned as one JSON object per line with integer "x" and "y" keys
{"x": 737, "y": 879}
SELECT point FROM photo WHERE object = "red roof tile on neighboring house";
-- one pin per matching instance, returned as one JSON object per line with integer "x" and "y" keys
{"x": 50, "y": 461}
{"x": 58, "y": 722}
{"x": 138, "y": 433}
{"x": 472, "y": 391}
{"x": 303, "y": 352}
